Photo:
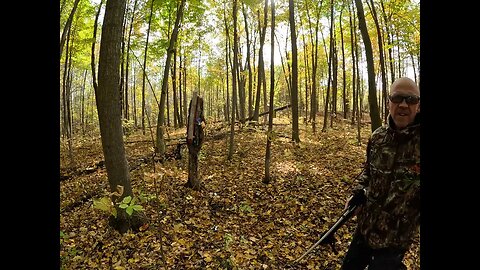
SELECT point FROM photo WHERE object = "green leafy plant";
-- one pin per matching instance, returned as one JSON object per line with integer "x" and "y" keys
{"x": 128, "y": 203}
{"x": 105, "y": 204}
{"x": 145, "y": 197}
{"x": 228, "y": 239}
{"x": 244, "y": 207}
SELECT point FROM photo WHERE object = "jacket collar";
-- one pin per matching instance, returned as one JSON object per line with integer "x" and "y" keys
{"x": 404, "y": 133}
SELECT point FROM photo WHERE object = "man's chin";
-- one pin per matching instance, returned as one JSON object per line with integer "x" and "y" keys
{"x": 401, "y": 124}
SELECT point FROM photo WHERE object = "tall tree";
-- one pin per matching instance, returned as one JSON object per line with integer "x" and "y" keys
{"x": 294, "y": 88}
{"x": 82, "y": 117}
{"x": 145, "y": 67}
{"x": 372, "y": 97}
{"x": 346, "y": 107}
{"x": 66, "y": 97}
{"x": 176, "y": 115}
{"x": 261, "y": 65}
{"x": 128, "y": 59}
{"x": 266, "y": 179}
{"x": 122, "y": 69}
{"x": 66, "y": 28}
{"x": 107, "y": 98}
{"x": 249, "y": 66}
{"x": 227, "y": 60}
{"x": 160, "y": 143}
{"x": 382, "y": 58}
{"x": 330, "y": 68}
{"x": 94, "y": 41}
{"x": 353, "y": 50}
{"x": 314, "y": 44}
{"x": 387, "y": 22}
{"x": 234, "y": 81}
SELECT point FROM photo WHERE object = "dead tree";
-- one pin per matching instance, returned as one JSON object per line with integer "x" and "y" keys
{"x": 195, "y": 136}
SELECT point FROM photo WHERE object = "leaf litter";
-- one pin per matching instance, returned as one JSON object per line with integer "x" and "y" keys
{"x": 235, "y": 221}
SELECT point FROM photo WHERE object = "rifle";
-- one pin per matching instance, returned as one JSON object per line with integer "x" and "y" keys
{"x": 328, "y": 237}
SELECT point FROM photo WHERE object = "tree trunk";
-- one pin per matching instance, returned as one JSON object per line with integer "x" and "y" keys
{"x": 109, "y": 117}
{"x": 353, "y": 39}
{"x": 195, "y": 136}
{"x": 184, "y": 78}
{"x": 261, "y": 66}
{"x": 234, "y": 81}
{"x": 249, "y": 66}
{"x": 65, "y": 133}
{"x": 180, "y": 95}
{"x": 313, "y": 96}
{"x": 145, "y": 68}
{"x": 286, "y": 74}
{"x": 122, "y": 69}
{"x": 160, "y": 143}
{"x": 294, "y": 92}
{"x": 372, "y": 98}
{"x": 389, "y": 42}
{"x": 330, "y": 68}
{"x": 227, "y": 60}
{"x": 307, "y": 76}
{"x": 134, "y": 95}
{"x": 382, "y": 59}
{"x": 128, "y": 61}
{"x": 66, "y": 28}
{"x": 267, "y": 177}
{"x": 82, "y": 112}
{"x": 176, "y": 116}
{"x": 94, "y": 41}
{"x": 346, "y": 106}
{"x": 67, "y": 123}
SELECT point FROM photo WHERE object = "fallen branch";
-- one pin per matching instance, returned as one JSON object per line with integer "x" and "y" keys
{"x": 267, "y": 112}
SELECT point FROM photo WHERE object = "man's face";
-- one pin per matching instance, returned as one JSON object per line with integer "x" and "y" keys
{"x": 404, "y": 103}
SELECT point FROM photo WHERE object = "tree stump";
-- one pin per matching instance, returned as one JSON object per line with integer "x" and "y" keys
{"x": 195, "y": 136}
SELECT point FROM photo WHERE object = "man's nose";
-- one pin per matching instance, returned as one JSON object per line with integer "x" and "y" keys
{"x": 403, "y": 103}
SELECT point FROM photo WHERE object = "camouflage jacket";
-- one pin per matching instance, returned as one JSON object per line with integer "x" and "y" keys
{"x": 391, "y": 215}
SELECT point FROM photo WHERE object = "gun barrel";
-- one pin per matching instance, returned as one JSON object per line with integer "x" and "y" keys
{"x": 340, "y": 221}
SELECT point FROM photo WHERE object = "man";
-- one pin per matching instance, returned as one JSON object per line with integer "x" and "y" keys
{"x": 388, "y": 190}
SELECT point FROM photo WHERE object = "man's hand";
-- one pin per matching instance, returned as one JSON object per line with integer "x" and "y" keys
{"x": 358, "y": 199}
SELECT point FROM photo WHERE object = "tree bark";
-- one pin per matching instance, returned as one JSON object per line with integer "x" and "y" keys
{"x": 372, "y": 97}
{"x": 160, "y": 143}
{"x": 353, "y": 50}
{"x": 330, "y": 60}
{"x": 249, "y": 66}
{"x": 267, "y": 177}
{"x": 294, "y": 88}
{"x": 107, "y": 98}
{"x": 127, "y": 116}
{"x": 195, "y": 136}
{"x": 346, "y": 107}
{"x": 176, "y": 116}
{"x": 227, "y": 60}
{"x": 234, "y": 81}
{"x": 382, "y": 59}
{"x": 261, "y": 65}
{"x": 66, "y": 28}
{"x": 94, "y": 74}
{"x": 145, "y": 68}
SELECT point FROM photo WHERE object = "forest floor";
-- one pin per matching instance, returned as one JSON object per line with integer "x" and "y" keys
{"x": 235, "y": 221}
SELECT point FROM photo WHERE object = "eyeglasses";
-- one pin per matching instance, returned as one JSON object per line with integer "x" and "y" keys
{"x": 411, "y": 100}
